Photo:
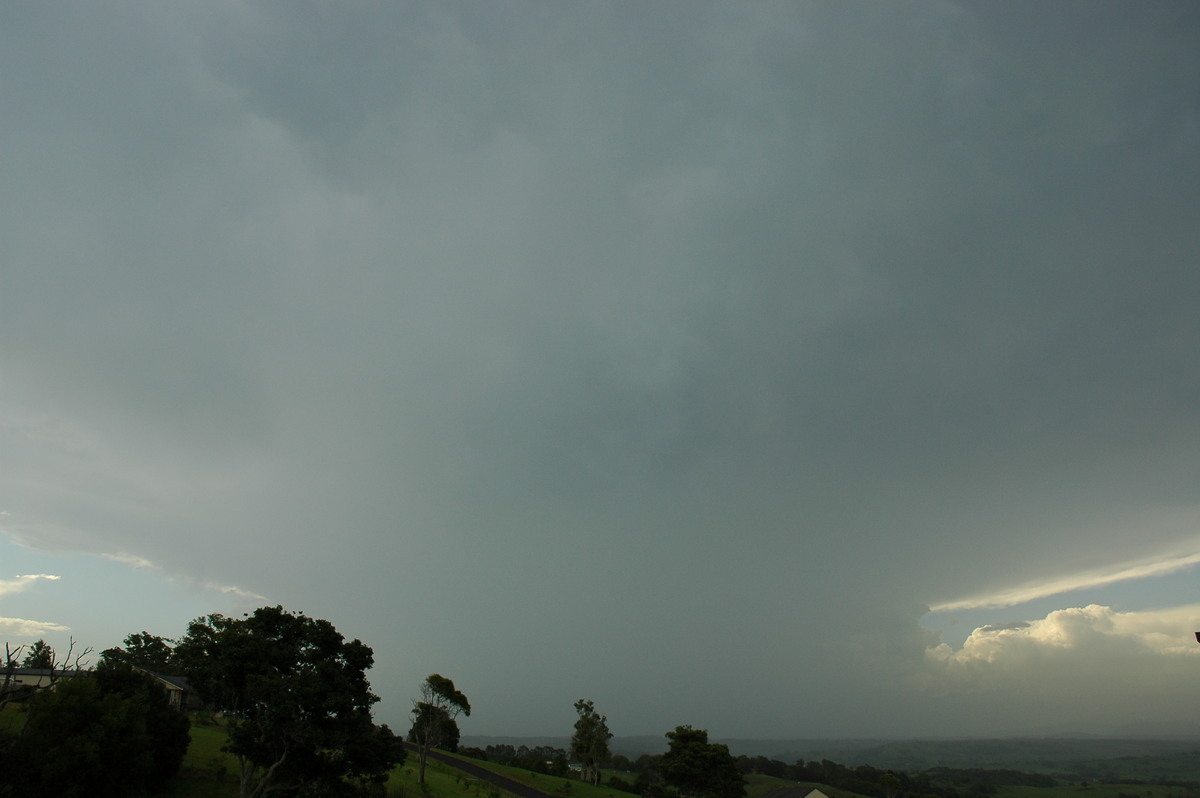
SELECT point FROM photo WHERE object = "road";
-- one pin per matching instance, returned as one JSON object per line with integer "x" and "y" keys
{"x": 504, "y": 783}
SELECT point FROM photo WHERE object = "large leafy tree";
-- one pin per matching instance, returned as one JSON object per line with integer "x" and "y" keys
{"x": 698, "y": 768}
{"x": 296, "y": 696}
{"x": 166, "y": 727}
{"x": 434, "y": 717}
{"x": 589, "y": 744}
{"x": 110, "y": 732}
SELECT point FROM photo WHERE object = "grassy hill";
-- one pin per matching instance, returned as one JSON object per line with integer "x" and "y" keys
{"x": 1084, "y": 768}
{"x": 1033, "y": 755}
{"x": 209, "y": 772}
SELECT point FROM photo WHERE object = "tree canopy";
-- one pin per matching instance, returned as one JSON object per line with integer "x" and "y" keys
{"x": 39, "y": 655}
{"x": 296, "y": 696}
{"x": 589, "y": 744}
{"x": 144, "y": 650}
{"x": 110, "y": 732}
{"x": 434, "y": 716}
{"x": 698, "y": 768}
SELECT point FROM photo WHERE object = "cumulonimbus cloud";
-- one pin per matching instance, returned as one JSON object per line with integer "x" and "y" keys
{"x": 1093, "y": 642}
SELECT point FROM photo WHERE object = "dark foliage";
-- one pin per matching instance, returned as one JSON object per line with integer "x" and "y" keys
{"x": 538, "y": 759}
{"x": 698, "y": 768}
{"x": 296, "y": 699}
{"x": 144, "y": 650}
{"x": 166, "y": 727}
{"x": 40, "y": 655}
{"x": 95, "y": 735}
{"x": 434, "y": 724}
{"x": 589, "y": 743}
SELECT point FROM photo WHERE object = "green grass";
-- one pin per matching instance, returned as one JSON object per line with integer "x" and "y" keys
{"x": 1094, "y": 791}
{"x": 758, "y": 785}
{"x": 11, "y": 717}
{"x": 209, "y": 772}
{"x": 555, "y": 785}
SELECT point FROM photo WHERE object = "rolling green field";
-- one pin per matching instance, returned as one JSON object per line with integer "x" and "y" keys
{"x": 1095, "y": 791}
{"x": 209, "y": 772}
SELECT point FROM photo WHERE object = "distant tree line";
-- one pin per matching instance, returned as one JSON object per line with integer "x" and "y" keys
{"x": 536, "y": 759}
{"x": 647, "y": 780}
{"x": 880, "y": 783}
{"x": 692, "y": 767}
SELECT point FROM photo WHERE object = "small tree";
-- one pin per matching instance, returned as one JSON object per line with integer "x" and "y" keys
{"x": 434, "y": 717}
{"x": 589, "y": 744}
{"x": 40, "y": 655}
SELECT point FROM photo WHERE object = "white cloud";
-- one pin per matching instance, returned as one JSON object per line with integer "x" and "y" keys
{"x": 140, "y": 562}
{"x": 22, "y": 582}
{"x": 1092, "y": 644}
{"x": 1080, "y": 669}
{"x": 130, "y": 559}
{"x": 20, "y": 627}
{"x": 233, "y": 590}
{"x": 1159, "y": 565}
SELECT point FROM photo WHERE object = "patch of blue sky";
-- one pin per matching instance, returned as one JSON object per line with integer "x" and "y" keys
{"x": 99, "y": 600}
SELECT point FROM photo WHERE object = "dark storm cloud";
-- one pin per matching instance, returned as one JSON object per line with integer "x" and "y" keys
{"x": 641, "y": 326}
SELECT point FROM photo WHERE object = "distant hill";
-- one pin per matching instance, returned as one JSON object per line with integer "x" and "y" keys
{"x": 1034, "y": 755}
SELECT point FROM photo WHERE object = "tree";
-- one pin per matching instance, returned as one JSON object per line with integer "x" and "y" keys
{"x": 698, "y": 768}
{"x": 446, "y": 735}
{"x": 166, "y": 727}
{"x": 89, "y": 737}
{"x": 296, "y": 698}
{"x": 40, "y": 655}
{"x": 144, "y": 650}
{"x": 9, "y": 688}
{"x": 589, "y": 744}
{"x": 433, "y": 717}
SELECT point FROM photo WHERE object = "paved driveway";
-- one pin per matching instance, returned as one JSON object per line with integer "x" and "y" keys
{"x": 504, "y": 783}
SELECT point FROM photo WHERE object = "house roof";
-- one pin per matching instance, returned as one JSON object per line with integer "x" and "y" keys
{"x": 177, "y": 682}
{"x": 39, "y": 672}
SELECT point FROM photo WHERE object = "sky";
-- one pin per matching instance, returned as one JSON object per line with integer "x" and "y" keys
{"x": 786, "y": 369}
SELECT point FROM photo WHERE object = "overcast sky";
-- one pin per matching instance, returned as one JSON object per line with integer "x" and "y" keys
{"x": 792, "y": 368}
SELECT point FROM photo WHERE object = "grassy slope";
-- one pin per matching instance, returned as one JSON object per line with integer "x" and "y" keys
{"x": 208, "y": 772}
{"x": 551, "y": 784}
{"x": 1094, "y": 791}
